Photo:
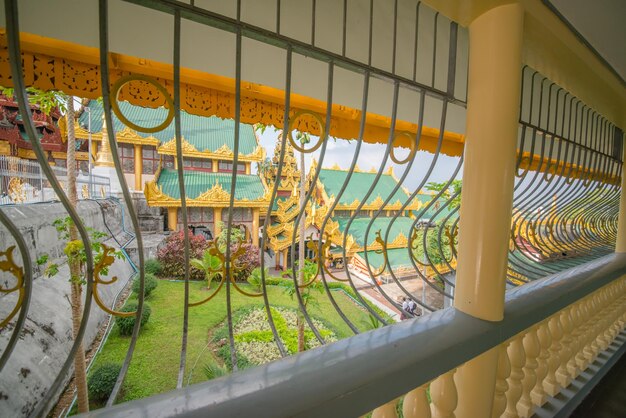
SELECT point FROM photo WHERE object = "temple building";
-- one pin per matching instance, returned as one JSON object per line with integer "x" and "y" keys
{"x": 149, "y": 163}
{"x": 360, "y": 243}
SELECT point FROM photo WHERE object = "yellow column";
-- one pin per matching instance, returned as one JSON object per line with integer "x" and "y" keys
{"x": 491, "y": 139}
{"x": 214, "y": 165}
{"x": 217, "y": 218}
{"x": 620, "y": 245}
{"x": 138, "y": 167}
{"x": 248, "y": 168}
{"x": 175, "y": 163}
{"x": 255, "y": 226}
{"x": 172, "y": 218}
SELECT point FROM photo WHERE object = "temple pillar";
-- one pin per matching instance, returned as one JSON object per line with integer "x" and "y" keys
{"x": 215, "y": 165}
{"x": 248, "y": 168}
{"x": 217, "y": 219}
{"x": 172, "y": 219}
{"x": 138, "y": 167}
{"x": 495, "y": 65}
{"x": 255, "y": 226}
{"x": 620, "y": 244}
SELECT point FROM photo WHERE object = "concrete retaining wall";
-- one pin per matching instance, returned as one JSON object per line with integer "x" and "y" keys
{"x": 47, "y": 337}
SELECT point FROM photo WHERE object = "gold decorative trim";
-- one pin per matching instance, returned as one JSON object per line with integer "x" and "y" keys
{"x": 18, "y": 272}
{"x": 222, "y": 153}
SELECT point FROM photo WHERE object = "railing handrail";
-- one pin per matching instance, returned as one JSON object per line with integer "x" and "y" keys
{"x": 357, "y": 374}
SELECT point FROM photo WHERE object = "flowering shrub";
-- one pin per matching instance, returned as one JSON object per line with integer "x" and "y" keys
{"x": 172, "y": 255}
{"x": 254, "y": 338}
{"x": 249, "y": 261}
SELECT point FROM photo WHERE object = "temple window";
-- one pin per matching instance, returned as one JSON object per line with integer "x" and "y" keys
{"x": 197, "y": 164}
{"x": 227, "y": 166}
{"x": 168, "y": 161}
{"x": 342, "y": 213}
{"x": 60, "y": 163}
{"x": 363, "y": 213}
{"x": 150, "y": 159}
{"x": 127, "y": 157}
{"x": 196, "y": 216}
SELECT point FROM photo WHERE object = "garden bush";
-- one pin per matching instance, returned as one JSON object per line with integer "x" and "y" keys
{"x": 150, "y": 283}
{"x": 153, "y": 266}
{"x": 248, "y": 261}
{"x": 126, "y": 324}
{"x": 101, "y": 381}
{"x": 172, "y": 255}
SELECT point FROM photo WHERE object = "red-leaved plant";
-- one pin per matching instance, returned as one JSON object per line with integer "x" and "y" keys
{"x": 172, "y": 255}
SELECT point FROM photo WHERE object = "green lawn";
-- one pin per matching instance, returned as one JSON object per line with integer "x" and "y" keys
{"x": 154, "y": 368}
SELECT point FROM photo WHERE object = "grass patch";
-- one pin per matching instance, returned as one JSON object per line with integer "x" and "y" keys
{"x": 154, "y": 368}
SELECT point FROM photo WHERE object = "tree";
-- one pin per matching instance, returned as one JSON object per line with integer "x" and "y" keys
{"x": 303, "y": 138}
{"x": 453, "y": 189}
{"x": 210, "y": 264}
{"x": 306, "y": 284}
{"x": 48, "y": 101}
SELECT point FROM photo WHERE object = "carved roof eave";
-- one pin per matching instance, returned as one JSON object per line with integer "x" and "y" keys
{"x": 126, "y": 136}
{"x": 214, "y": 197}
{"x": 222, "y": 153}
{"x": 377, "y": 203}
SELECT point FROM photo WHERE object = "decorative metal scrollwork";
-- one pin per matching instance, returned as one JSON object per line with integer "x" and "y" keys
{"x": 102, "y": 263}
{"x": 412, "y": 149}
{"x": 235, "y": 266}
{"x": 9, "y": 265}
{"x": 115, "y": 90}
{"x": 321, "y": 136}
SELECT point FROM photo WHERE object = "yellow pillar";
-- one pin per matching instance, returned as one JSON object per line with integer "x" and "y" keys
{"x": 138, "y": 167}
{"x": 214, "y": 165}
{"x": 175, "y": 163}
{"x": 217, "y": 218}
{"x": 255, "y": 226}
{"x": 620, "y": 244}
{"x": 248, "y": 168}
{"x": 491, "y": 139}
{"x": 172, "y": 219}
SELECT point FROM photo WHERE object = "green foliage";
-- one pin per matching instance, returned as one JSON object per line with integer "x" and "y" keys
{"x": 153, "y": 266}
{"x": 309, "y": 271}
{"x": 158, "y": 350}
{"x": 75, "y": 250}
{"x": 46, "y": 100}
{"x": 101, "y": 381}
{"x": 211, "y": 265}
{"x": 126, "y": 325}
{"x": 372, "y": 323}
{"x": 236, "y": 236}
{"x": 212, "y": 371}
{"x": 255, "y": 279}
{"x": 242, "y": 361}
{"x": 150, "y": 283}
{"x": 453, "y": 189}
{"x": 432, "y": 242}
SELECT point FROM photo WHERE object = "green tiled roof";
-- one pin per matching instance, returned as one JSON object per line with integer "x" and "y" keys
{"x": 398, "y": 258}
{"x": 359, "y": 185}
{"x": 430, "y": 213}
{"x": 197, "y": 182}
{"x": 204, "y": 133}
{"x": 359, "y": 225}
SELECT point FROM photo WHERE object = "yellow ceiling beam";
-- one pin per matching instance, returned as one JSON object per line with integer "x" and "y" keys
{"x": 51, "y": 64}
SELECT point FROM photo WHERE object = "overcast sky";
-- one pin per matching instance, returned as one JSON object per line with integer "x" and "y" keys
{"x": 341, "y": 152}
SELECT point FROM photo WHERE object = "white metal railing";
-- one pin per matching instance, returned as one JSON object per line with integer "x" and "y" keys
{"x": 22, "y": 181}
{"x": 557, "y": 333}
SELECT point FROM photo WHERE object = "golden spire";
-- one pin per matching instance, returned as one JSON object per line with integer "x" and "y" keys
{"x": 104, "y": 157}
